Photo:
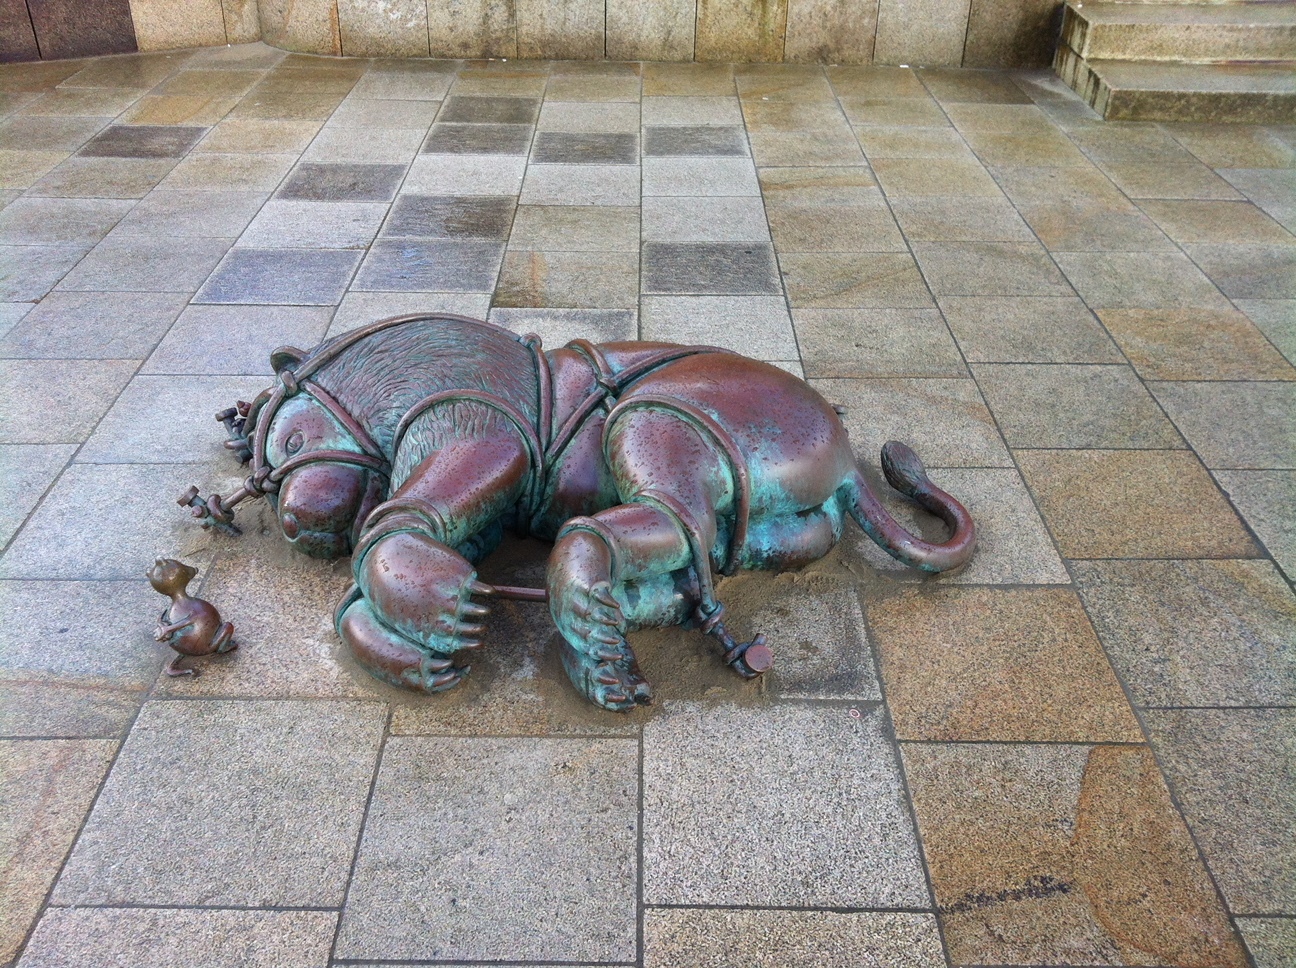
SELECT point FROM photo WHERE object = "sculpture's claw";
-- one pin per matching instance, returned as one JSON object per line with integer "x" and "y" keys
{"x": 473, "y": 610}
{"x": 391, "y": 657}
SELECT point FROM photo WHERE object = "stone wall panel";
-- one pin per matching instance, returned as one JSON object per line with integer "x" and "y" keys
{"x": 567, "y": 30}
{"x": 472, "y": 28}
{"x": 749, "y": 31}
{"x": 386, "y": 28}
{"x": 926, "y": 33}
{"x": 657, "y": 31}
{"x": 172, "y": 24}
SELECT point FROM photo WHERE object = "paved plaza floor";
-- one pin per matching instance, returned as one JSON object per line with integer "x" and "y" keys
{"x": 1080, "y": 751}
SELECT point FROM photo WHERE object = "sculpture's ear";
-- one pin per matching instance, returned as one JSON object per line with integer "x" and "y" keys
{"x": 285, "y": 357}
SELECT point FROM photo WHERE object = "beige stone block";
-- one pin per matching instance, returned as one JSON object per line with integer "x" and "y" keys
{"x": 169, "y": 24}
{"x": 472, "y": 28}
{"x": 921, "y": 33}
{"x": 831, "y": 31}
{"x": 305, "y": 26}
{"x": 242, "y": 21}
{"x": 393, "y": 28}
{"x": 1011, "y": 33}
{"x": 741, "y": 30}
{"x": 658, "y": 31}
{"x": 569, "y": 30}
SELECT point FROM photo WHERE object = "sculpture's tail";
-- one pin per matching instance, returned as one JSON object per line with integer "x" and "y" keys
{"x": 905, "y": 472}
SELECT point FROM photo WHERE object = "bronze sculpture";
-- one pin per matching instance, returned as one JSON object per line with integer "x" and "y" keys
{"x": 412, "y": 443}
{"x": 189, "y": 625}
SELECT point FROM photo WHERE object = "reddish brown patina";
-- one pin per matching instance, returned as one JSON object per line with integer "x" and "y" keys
{"x": 412, "y": 444}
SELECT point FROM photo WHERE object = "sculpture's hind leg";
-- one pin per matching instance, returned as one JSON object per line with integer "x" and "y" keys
{"x": 632, "y": 566}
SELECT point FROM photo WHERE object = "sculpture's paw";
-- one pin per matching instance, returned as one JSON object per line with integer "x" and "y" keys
{"x": 595, "y": 653}
{"x": 393, "y": 658}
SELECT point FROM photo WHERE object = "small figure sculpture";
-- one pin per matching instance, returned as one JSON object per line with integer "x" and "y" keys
{"x": 412, "y": 443}
{"x": 191, "y": 626}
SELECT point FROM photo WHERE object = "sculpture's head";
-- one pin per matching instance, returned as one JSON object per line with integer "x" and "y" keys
{"x": 311, "y": 459}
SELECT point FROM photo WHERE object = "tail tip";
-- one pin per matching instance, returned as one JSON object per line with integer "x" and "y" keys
{"x": 903, "y": 468}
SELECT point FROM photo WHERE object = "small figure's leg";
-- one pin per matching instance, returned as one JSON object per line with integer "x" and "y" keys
{"x": 173, "y": 668}
{"x": 224, "y": 641}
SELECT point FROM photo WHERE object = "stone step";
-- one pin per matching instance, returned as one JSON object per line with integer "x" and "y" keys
{"x": 1181, "y": 32}
{"x": 1158, "y": 91}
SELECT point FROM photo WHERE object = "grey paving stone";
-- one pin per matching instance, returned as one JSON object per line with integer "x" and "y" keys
{"x": 28, "y": 272}
{"x": 294, "y": 774}
{"x": 144, "y": 264}
{"x": 834, "y": 831}
{"x": 103, "y": 178}
{"x": 558, "y": 327}
{"x": 57, "y": 401}
{"x": 709, "y": 268}
{"x": 940, "y": 218}
{"x": 304, "y": 277}
{"x": 343, "y": 183}
{"x": 35, "y": 133}
{"x": 1276, "y": 319}
{"x": 617, "y": 117}
{"x": 364, "y": 146}
{"x": 215, "y": 215}
{"x": 490, "y": 110}
{"x": 699, "y": 176}
{"x": 213, "y": 938}
{"x": 359, "y": 113}
{"x": 11, "y": 314}
{"x": 45, "y": 640}
{"x": 450, "y": 217}
{"x": 581, "y": 185}
{"x": 728, "y": 938}
{"x": 48, "y": 787}
{"x": 1138, "y": 280}
{"x": 93, "y": 325}
{"x": 1271, "y": 941}
{"x": 208, "y": 340}
{"x": 1013, "y": 546}
{"x": 314, "y": 225}
{"x": 1061, "y": 405}
{"x": 520, "y": 831}
{"x": 213, "y": 171}
{"x": 59, "y": 221}
{"x": 829, "y": 185}
{"x": 36, "y": 704}
{"x": 876, "y": 342}
{"x": 844, "y": 280}
{"x": 694, "y": 140}
{"x": 585, "y": 148}
{"x": 465, "y": 175}
{"x": 879, "y": 141}
{"x": 989, "y": 269}
{"x": 129, "y": 530}
{"x": 575, "y": 280}
{"x": 362, "y": 308}
{"x": 433, "y": 266}
{"x": 1249, "y": 271}
{"x": 142, "y": 141}
{"x": 159, "y": 419}
{"x": 864, "y": 227}
{"x": 691, "y": 111}
{"x": 704, "y": 219}
{"x": 1234, "y": 772}
{"x": 1235, "y": 424}
{"x": 403, "y": 86}
{"x": 1007, "y": 329}
{"x": 757, "y": 326}
{"x": 26, "y": 471}
{"x": 1195, "y": 633}
{"x": 1265, "y": 499}
{"x": 945, "y": 421}
{"x": 478, "y": 139}
{"x": 576, "y": 228}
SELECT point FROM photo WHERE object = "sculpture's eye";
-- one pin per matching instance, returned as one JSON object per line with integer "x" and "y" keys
{"x": 294, "y": 443}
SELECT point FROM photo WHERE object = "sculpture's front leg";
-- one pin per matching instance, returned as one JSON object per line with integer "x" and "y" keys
{"x": 410, "y": 620}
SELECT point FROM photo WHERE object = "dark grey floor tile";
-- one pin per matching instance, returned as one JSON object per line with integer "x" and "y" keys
{"x": 343, "y": 183}
{"x": 94, "y": 325}
{"x": 430, "y": 267}
{"x": 450, "y": 217}
{"x": 714, "y": 268}
{"x": 142, "y": 141}
{"x": 303, "y": 277}
{"x": 478, "y": 139}
{"x": 566, "y": 147}
{"x": 540, "y": 825}
{"x": 296, "y": 774}
{"x": 144, "y": 264}
{"x": 490, "y": 110}
{"x": 694, "y": 140}
{"x": 28, "y": 272}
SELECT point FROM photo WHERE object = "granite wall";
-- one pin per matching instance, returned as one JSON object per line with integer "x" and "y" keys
{"x": 971, "y": 33}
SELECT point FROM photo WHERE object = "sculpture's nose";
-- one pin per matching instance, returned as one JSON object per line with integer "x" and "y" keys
{"x": 291, "y": 527}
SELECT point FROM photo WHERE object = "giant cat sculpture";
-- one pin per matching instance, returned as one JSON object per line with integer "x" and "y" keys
{"x": 411, "y": 444}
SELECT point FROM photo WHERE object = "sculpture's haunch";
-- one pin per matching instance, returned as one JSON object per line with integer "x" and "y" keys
{"x": 412, "y": 443}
